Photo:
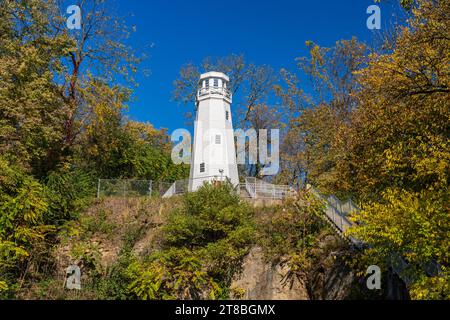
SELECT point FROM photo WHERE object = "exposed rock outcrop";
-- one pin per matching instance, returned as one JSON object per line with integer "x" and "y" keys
{"x": 330, "y": 279}
{"x": 262, "y": 280}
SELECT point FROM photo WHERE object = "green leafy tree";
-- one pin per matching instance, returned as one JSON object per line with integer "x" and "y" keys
{"x": 31, "y": 112}
{"x": 309, "y": 152}
{"x": 22, "y": 228}
{"x": 397, "y": 149}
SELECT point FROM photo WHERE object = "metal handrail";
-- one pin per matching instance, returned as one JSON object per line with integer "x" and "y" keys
{"x": 261, "y": 189}
{"x": 336, "y": 216}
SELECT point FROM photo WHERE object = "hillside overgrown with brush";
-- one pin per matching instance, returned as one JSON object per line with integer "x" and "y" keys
{"x": 196, "y": 247}
{"x": 374, "y": 129}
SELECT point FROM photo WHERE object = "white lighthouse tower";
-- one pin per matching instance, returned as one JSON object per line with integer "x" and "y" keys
{"x": 213, "y": 152}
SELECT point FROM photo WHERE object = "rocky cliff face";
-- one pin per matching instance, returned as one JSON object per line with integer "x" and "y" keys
{"x": 330, "y": 279}
{"x": 262, "y": 280}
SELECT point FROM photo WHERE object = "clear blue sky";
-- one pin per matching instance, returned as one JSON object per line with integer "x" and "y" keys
{"x": 269, "y": 32}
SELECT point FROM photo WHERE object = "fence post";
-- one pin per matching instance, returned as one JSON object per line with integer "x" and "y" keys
{"x": 334, "y": 213}
{"x": 98, "y": 189}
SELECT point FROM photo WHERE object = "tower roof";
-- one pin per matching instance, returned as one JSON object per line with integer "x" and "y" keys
{"x": 214, "y": 74}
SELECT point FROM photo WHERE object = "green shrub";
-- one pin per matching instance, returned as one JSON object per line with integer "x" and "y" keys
{"x": 23, "y": 209}
{"x": 114, "y": 285}
{"x": 210, "y": 214}
{"x": 97, "y": 223}
{"x": 202, "y": 247}
{"x": 70, "y": 191}
{"x": 176, "y": 273}
{"x": 88, "y": 256}
{"x": 288, "y": 229}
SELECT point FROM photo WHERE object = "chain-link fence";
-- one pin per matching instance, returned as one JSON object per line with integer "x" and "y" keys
{"x": 163, "y": 189}
{"x": 128, "y": 188}
{"x": 123, "y": 188}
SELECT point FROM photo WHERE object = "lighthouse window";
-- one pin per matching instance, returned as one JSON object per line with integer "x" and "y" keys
{"x": 202, "y": 167}
{"x": 218, "y": 139}
{"x": 227, "y": 115}
{"x": 207, "y": 83}
{"x": 216, "y": 82}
